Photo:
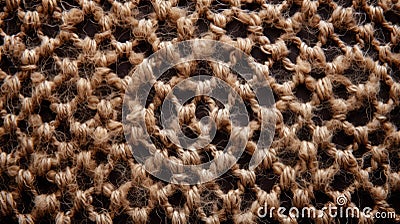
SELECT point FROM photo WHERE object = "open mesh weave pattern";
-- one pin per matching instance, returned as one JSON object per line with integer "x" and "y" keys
{"x": 333, "y": 67}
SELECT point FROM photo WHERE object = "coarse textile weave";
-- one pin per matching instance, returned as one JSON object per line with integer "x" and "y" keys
{"x": 333, "y": 67}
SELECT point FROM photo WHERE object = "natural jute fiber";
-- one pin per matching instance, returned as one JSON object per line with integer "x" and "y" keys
{"x": 333, "y": 67}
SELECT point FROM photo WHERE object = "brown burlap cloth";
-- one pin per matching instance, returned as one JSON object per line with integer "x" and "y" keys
{"x": 333, "y": 67}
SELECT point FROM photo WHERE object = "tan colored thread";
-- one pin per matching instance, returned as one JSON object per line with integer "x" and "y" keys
{"x": 61, "y": 100}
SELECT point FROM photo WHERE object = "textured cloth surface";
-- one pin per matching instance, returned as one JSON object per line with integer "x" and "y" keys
{"x": 333, "y": 67}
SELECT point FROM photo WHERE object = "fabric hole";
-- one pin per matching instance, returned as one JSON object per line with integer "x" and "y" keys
{"x": 342, "y": 180}
{"x": 304, "y": 134}
{"x": 347, "y": 36}
{"x": 322, "y": 113}
{"x": 26, "y": 87}
{"x": 394, "y": 160}
{"x": 83, "y": 180}
{"x": 320, "y": 199}
{"x": 206, "y": 156}
{"x": 202, "y": 110}
{"x": 279, "y": 72}
{"x": 377, "y": 137}
{"x": 88, "y": 27}
{"x": 361, "y": 151}
{"x": 394, "y": 200}
{"x": 7, "y": 65}
{"x": 43, "y": 186}
{"x": 66, "y": 92}
{"x": 357, "y": 75}
{"x": 221, "y": 139}
{"x": 258, "y": 54}
{"x": 288, "y": 157}
{"x": 81, "y": 216}
{"x": 361, "y": 17}
{"x": 101, "y": 157}
{"x": 11, "y": 24}
{"x": 244, "y": 160}
{"x": 252, "y": 6}
{"x": 138, "y": 197}
{"x": 317, "y": 73}
{"x": 392, "y": 17}
{"x": 48, "y": 67}
{"x": 293, "y": 51}
{"x": 105, "y": 45}
{"x": 371, "y": 51}
{"x": 25, "y": 202}
{"x": 10, "y": 219}
{"x": 189, "y": 132}
{"x": 362, "y": 115}
{"x": 86, "y": 69}
{"x": 342, "y": 140}
{"x": 248, "y": 197}
{"x": 69, "y": 4}
{"x": 122, "y": 34}
{"x": 272, "y": 32}
{"x": 121, "y": 67}
{"x": 7, "y": 183}
{"x": 157, "y": 215}
{"x": 144, "y": 47}
{"x": 293, "y": 8}
{"x": 276, "y": 2}
{"x": 188, "y": 5}
{"x": 324, "y": 159}
{"x": 250, "y": 113}
{"x": 84, "y": 113}
{"x": 289, "y": 118}
{"x": 63, "y": 132}
{"x": 32, "y": 39}
{"x": 302, "y": 93}
{"x": 219, "y": 5}
{"x": 177, "y": 199}
{"x": 309, "y": 35}
{"x": 24, "y": 162}
{"x": 236, "y": 29}
{"x": 324, "y": 11}
{"x": 202, "y": 25}
{"x": 101, "y": 203}
{"x": 227, "y": 182}
{"x": 106, "y": 5}
{"x": 344, "y": 3}
{"x": 286, "y": 200}
{"x": 8, "y": 142}
{"x": 145, "y": 8}
{"x": 331, "y": 50}
{"x": 362, "y": 199}
{"x": 266, "y": 180}
{"x": 384, "y": 92}
{"x": 394, "y": 73}
{"x": 166, "y": 31}
{"x": 31, "y": 5}
{"x": 123, "y": 218}
{"x": 378, "y": 177}
{"x": 366, "y": 162}
{"x": 340, "y": 91}
{"x": 105, "y": 91}
{"x": 210, "y": 203}
{"x": 382, "y": 35}
{"x": 13, "y": 105}
{"x": 67, "y": 50}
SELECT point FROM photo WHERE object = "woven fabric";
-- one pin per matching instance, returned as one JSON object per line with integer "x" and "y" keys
{"x": 333, "y": 67}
